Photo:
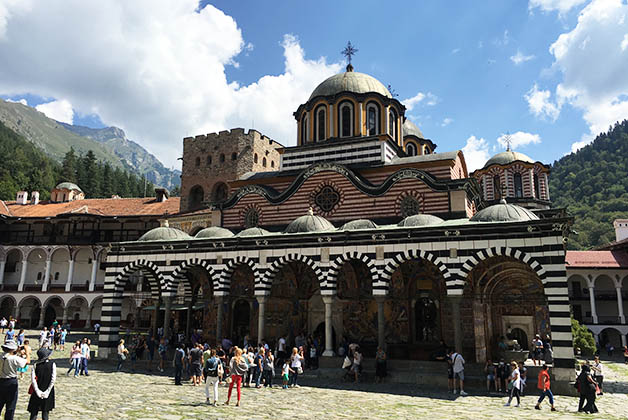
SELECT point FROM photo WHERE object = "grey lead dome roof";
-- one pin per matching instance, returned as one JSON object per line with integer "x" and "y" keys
{"x": 214, "y": 232}
{"x": 507, "y": 157}
{"x": 68, "y": 186}
{"x": 410, "y": 129}
{"x": 350, "y": 81}
{"x": 504, "y": 212}
{"x": 309, "y": 223}
{"x": 420, "y": 220}
{"x": 164, "y": 233}
{"x": 359, "y": 224}
{"x": 253, "y": 231}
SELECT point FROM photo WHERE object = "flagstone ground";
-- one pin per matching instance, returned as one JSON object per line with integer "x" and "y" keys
{"x": 107, "y": 394}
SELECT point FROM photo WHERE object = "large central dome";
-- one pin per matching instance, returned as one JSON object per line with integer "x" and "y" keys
{"x": 350, "y": 81}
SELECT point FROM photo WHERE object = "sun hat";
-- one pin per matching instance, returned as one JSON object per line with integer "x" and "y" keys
{"x": 43, "y": 353}
{"x": 9, "y": 345}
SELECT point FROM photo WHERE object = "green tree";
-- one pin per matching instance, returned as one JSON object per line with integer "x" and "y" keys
{"x": 69, "y": 164}
{"x": 582, "y": 338}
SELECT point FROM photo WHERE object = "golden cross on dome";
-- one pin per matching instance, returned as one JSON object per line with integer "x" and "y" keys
{"x": 349, "y": 51}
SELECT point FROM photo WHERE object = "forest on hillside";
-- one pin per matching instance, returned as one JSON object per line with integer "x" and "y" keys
{"x": 25, "y": 167}
{"x": 593, "y": 185}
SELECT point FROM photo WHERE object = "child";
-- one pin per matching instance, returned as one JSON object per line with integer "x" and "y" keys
{"x": 285, "y": 373}
{"x": 27, "y": 352}
{"x": 64, "y": 333}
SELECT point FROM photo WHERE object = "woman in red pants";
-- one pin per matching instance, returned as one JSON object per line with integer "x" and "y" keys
{"x": 238, "y": 368}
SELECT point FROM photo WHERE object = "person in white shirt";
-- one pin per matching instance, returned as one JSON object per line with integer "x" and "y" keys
{"x": 458, "y": 366}
{"x": 281, "y": 349}
{"x": 598, "y": 373}
{"x": 9, "y": 364}
{"x": 514, "y": 384}
{"x": 43, "y": 337}
{"x": 3, "y": 324}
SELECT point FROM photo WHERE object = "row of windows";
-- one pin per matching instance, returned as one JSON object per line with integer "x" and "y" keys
{"x": 264, "y": 161}
{"x": 346, "y": 123}
{"x": 498, "y": 190}
{"x": 221, "y": 158}
{"x": 412, "y": 149}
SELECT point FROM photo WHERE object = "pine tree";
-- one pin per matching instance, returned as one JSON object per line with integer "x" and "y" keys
{"x": 91, "y": 184}
{"x": 107, "y": 186}
{"x": 69, "y": 167}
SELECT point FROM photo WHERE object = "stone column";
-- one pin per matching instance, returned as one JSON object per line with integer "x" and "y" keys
{"x": 381, "y": 322}
{"x": 68, "y": 283}
{"x": 218, "y": 319}
{"x": 329, "y": 340}
{"x": 64, "y": 319}
{"x": 592, "y": 301}
{"x": 88, "y": 321}
{"x": 2, "y": 265}
{"x": 44, "y": 286}
{"x": 261, "y": 300}
{"x": 136, "y": 319}
{"x": 42, "y": 314}
{"x": 92, "y": 280}
{"x": 188, "y": 319}
{"x": 457, "y": 320}
{"x": 168, "y": 305}
{"x": 20, "y": 287}
{"x": 620, "y": 304}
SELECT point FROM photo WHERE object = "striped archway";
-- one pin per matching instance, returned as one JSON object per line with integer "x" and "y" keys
{"x": 382, "y": 286}
{"x": 514, "y": 253}
{"x": 330, "y": 284}
{"x": 231, "y": 266}
{"x": 266, "y": 282}
{"x": 179, "y": 274}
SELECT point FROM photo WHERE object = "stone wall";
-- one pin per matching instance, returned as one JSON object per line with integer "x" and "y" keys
{"x": 212, "y": 159}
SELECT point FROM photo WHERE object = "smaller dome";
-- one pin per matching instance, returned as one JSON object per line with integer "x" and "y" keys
{"x": 254, "y": 231}
{"x": 350, "y": 81}
{"x": 68, "y": 186}
{"x": 411, "y": 129}
{"x": 504, "y": 212}
{"x": 504, "y": 158}
{"x": 214, "y": 232}
{"x": 164, "y": 233}
{"x": 359, "y": 224}
{"x": 420, "y": 220}
{"x": 309, "y": 223}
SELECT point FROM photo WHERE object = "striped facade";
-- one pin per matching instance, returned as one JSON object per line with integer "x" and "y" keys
{"x": 455, "y": 250}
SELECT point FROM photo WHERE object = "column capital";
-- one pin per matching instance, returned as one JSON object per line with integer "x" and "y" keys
{"x": 380, "y": 298}
{"x": 261, "y": 298}
{"x": 328, "y": 299}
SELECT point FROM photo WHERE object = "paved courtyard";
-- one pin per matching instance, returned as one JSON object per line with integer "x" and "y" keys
{"x": 106, "y": 394}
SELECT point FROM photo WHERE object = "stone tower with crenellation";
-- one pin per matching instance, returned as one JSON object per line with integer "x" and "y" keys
{"x": 212, "y": 161}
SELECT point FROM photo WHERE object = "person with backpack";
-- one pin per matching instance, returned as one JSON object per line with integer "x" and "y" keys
{"x": 458, "y": 366}
{"x": 212, "y": 371}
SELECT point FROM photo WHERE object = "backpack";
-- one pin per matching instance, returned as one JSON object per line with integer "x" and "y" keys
{"x": 211, "y": 367}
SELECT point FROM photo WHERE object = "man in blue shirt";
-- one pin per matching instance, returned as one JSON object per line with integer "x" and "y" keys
{"x": 179, "y": 355}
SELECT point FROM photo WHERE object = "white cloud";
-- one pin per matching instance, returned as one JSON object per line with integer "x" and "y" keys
{"x": 562, "y": 6}
{"x": 19, "y": 101}
{"x": 518, "y": 139}
{"x": 476, "y": 153}
{"x": 446, "y": 121}
{"x": 429, "y": 98}
{"x": 133, "y": 65}
{"x": 624, "y": 43}
{"x": 593, "y": 66}
{"x": 520, "y": 58}
{"x": 57, "y": 110}
{"x": 540, "y": 104}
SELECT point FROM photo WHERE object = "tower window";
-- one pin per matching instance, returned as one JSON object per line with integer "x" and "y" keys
{"x": 320, "y": 124}
{"x": 346, "y": 120}
{"x": 272, "y": 163}
{"x": 234, "y": 156}
{"x": 255, "y": 158}
{"x": 537, "y": 187}
{"x": 411, "y": 149}
{"x": 198, "y": 162}
{"x": 372, "y": 119}
{"x": 392, "y": 123}
{"x": 209, "y": 160}
{"x": 518, "y": 185}
{"x": 304, "y": 131}
{"x": 497, "y": 187}
{"x": 264, "y": 162}
{"x": 222, "y": 158}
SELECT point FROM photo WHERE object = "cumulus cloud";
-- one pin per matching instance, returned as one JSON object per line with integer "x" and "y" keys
{"x": 57, "y": 110}
{"x": 592, "y": 61}
{"x": 133, "y": 65}
{"x": 540, "y": 103}
{"x": 446, "y": 121}
{"x": 518, "y": 139}
{"x": 520, "y": 58}
{"x": 424, "y": 98}
{"x": 562, "y": 6}
{"x": 476, "y": 153}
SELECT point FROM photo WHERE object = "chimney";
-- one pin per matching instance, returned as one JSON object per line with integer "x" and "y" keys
{"x": 22, "y": 198}
{"x": 621, "y": 229}
{"x": 35, "y": 197}
{"x": 161, "y": 195}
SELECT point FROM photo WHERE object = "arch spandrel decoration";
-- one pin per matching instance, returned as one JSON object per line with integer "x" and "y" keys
{"x": 394, "y": 263}
{"x": 230, "y": 267}
{"x": 144, "y": 265}
{"x": 264, "y": 286}
{"x": 179, "y": 274}
{"x": 330, "y": 284}
{"x": 480, "y": 256}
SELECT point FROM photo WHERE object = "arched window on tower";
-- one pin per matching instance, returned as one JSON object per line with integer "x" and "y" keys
{"x": 198, "y": 162}
{"x": 222, "y": 158}
{"x": 372, "y": 119}
{"x": 196, "y": 197}
{"x": 234, "y": 156}
{"x": 320, "y": 124}
{"x": 304, "y": 129}
{"x": 537, "y": 187}
{"x": 255, "y": 158}
{"x": 518, "y": 185}
{"x": 209, "y": 160}
{"x": 411, "y": 149}
{"x": 264, "y": 162}
{"x": 497, "y": 187}
{"x": 220, "y": 192}
{"x": 346, "y": 119}
{"x": 392, "y": 123}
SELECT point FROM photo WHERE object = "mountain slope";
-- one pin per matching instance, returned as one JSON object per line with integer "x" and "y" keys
{"x": 108, "y": 144}
{"x": 593, "y": 185}
{"x": 132, "y": 154}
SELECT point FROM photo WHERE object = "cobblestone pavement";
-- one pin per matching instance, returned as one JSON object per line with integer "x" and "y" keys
{"x": 106, "y": 394}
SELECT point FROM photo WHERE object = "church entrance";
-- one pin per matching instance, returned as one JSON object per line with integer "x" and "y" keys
{"x": 243, "y": 306}
{"x": 241, "y": 319}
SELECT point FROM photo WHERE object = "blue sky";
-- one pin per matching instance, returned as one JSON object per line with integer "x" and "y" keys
{"x": 476, "y": 70}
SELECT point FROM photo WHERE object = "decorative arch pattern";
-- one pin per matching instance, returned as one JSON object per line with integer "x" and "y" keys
{"x": 394, "y": 263}
{"x": 485, "y": 254}
{"x": 332, "y": 274}
{"x": 153, "y": 272}
{"x": 231, "y": 266}
{"x": 266, "y": 281}
{"x": 179, "y": 274}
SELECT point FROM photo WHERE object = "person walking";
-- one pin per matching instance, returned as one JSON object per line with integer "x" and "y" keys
{"x": 20, "y": 338}
{"x": 588, "y": 389}
{"x": 179, "y": 356}
{"x": 10, "y": 361}
{"x": 285, "y": 374}
{"x": 259, "y": 366}
{"x": 212, "y": 374}
{"x": 162, "y": 350}
{"x": 514, "y": 385}
{"x": 43, "y": 337}
{"x": 544, "y": 386}
{"x": 10, "y": 335}
{"x": 27, "y": 353}
{"x": 296, "y": 364}
{"x": 196, "y": 367}
{"x": 75, "y": 359}
{"x": 64, "y": 334}
{"x": 458, "y": 366}
{"x": 123, "y": 354}
{"x": 43, "y": 377}
{"x": 237, "y": 369}
{"x": 598, "y": 373}
{"x": 3, "y": 324}
{"x": 85, "y": 356}
{"x": 269, "y": 369}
